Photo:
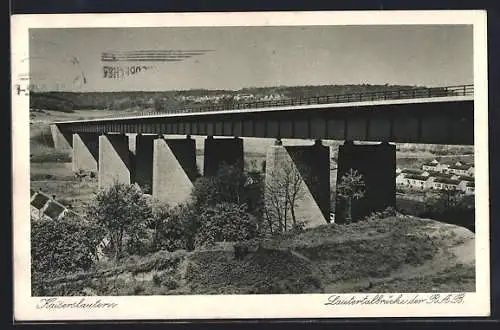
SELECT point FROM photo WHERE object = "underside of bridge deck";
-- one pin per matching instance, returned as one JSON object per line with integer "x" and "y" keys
{"x": 437, "y": 122}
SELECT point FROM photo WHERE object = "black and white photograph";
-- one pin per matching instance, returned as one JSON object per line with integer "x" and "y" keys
{"x": 339, "y": 166}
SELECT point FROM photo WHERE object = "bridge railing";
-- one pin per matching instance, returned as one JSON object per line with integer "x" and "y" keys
{"x": 409, "y": 93}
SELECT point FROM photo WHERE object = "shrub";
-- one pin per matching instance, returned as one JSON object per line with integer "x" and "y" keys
{"x": 156, "y": 280}
{"x": 124, "y": 211}
{"x": 225, "y": 222}
{"x": 169, "y": 283}
{"x": 451, "y": 206}
{"x": 42, "y": 136}
{"x": 138, "y": 289}
{"x": 226, "y": 186}
{"x": 60, "y": 247}
{"x": 230, "y": 185}
{"x": 174, "y": 228}
{"x": 298, "y": 227}
{"x": 205, "y": 192}
{"x": 42, "y": 154}
{"x": 388, "y": 212}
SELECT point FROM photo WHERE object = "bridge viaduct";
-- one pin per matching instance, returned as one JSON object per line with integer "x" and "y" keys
{"x": 166, "y": 166}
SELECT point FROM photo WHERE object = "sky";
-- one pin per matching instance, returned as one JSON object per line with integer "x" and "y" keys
{"x": 70, "y": 59}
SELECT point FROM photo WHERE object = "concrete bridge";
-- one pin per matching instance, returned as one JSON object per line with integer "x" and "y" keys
{"x": 167, "y": 167}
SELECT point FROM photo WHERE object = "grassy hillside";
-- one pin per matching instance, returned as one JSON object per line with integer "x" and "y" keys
{"x": 396, "y": 254}
{"x": 69, "y": 101}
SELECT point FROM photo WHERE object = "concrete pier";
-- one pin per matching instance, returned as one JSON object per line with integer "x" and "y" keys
{"x": 144, "y": 162}
{"x": 115, "y": 160}
{"x": 174, "y": 170}
{"x": 62, "y": 140}
{"x": 313, "y": 162}
{"x": 377, "y": 164}
{"x": 301, "y": 175}
{"x": 85, "y": 152}
{"x": 220, "y": 151}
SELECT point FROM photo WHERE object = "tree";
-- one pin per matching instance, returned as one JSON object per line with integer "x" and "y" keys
{"x": 124, "y": 211}
{"x": 284, "y": 187}
{"x": 230, "y": 184}
{"x": 225, "y": 222}
{"x": 351, "y": 187}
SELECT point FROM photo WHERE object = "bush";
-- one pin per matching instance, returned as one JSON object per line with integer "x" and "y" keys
{"x": 226, "y": 186}
{"x": 174, "y": 228}
{"x": 48, "y": 155}
{"x": 225, "y": 222}
{"x": 230, "y": 185}
{"x": 124, "y": 211}
{"x": 388, "y": 212}
{"x": 451, "y": 206}
{"x": 61, "y": 247}
{"x": 205, "y": 192}
{"x": 42, "y": 136}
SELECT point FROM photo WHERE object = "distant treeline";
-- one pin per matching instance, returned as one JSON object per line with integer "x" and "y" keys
{"x": 163, "y": 101}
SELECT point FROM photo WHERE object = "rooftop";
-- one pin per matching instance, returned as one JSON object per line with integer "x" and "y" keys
{"x": 447, "y": 181}
{"x": 54, "y": 209}
{"x": 430, "y": 164}
{"x": 417, "y": 177}
{"x": 410, "y": 171}
{"x": 440, "y": 175}
{"x": 460, "y": 167}
{"x": 39, "y": 200}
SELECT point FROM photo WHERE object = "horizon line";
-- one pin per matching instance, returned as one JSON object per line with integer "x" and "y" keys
{"x": 243, "y": 88}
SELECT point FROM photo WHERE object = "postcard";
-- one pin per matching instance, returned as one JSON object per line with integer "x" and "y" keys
{"x": 186, "y": 166}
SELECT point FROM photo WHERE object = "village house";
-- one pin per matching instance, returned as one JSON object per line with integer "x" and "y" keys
{"x": 435, "y": 166}
{"x": 445, "y": 184}
{"x": 462, "y": 168}
{"x": 401, "y": 179}
{"x": 418, "y": 182}
{"x": 469, "y": 188}
{"x": 466, "y": 185}
{"x": 402, "y": 175}
{"x": 431, "y": 166}
{"x": 406, "y": 177}
{"x": 438, "y": 176}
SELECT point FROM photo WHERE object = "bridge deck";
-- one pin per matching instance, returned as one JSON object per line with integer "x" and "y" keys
{"x": 443, "y": 115}
{"x": 330, "y": 106}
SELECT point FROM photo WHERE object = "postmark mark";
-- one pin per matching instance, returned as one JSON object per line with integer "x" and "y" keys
{"x": 122, "y": 64}
{"x": 121, "y": 72}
